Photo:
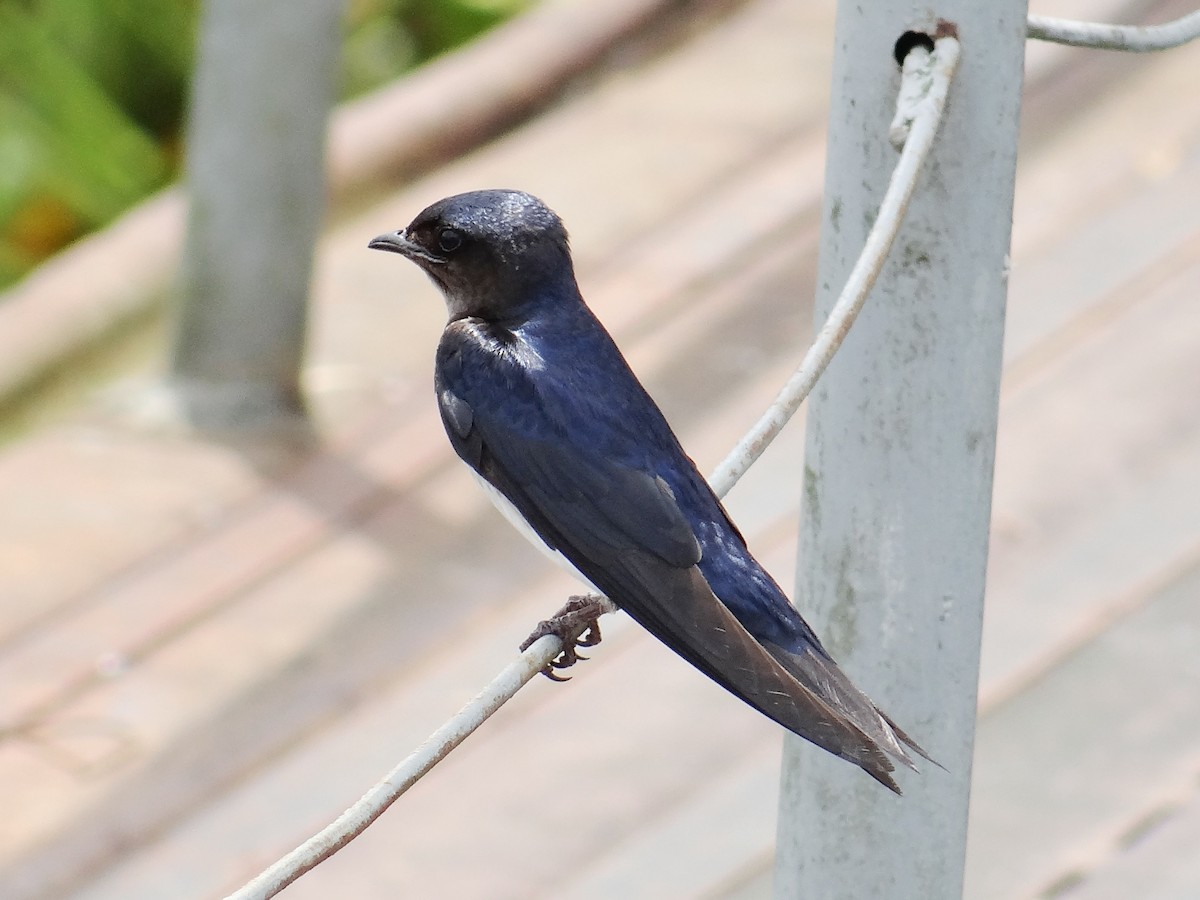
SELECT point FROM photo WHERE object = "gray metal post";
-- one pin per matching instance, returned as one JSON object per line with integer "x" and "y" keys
{"x": 898, "y": 469}
{"x": 263, "y": 88}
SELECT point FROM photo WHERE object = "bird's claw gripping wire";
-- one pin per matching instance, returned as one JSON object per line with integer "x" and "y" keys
{"x": 577, "y": 625}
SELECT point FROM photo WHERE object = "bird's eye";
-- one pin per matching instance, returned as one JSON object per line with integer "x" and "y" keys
{"x": 449, "y": 240}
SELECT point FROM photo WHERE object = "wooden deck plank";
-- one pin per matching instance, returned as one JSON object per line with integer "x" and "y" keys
{"x": 1155, "y": 861}
{"x": 1065, "y": 767}
{"x": 56, "y": 492}
{"x": 1104, "y": 456}
{"x": 687, "y": 849}
{"x": 145, "y": 607}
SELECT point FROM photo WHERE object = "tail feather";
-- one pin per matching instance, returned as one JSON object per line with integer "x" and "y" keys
{"x": 821, "y": 675}
{"x": 688, "y": 618}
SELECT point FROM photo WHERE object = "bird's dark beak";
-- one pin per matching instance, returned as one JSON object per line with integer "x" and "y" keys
{"x": 395, "y": 242}
{"x": 398, "y": 242}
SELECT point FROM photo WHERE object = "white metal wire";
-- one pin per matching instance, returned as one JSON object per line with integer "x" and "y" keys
{"x": 925, "y": 82}
{"x": 355, "y": 820}
{"x": 1131, "y": 38}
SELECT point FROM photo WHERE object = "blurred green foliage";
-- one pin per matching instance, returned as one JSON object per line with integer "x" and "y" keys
{"x": 93, "y": 96}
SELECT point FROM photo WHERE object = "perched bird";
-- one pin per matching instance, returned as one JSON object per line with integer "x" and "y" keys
{"x": 539, "y": 402}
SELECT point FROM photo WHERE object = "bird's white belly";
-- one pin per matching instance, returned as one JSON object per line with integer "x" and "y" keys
{"x": 511, "y": 513}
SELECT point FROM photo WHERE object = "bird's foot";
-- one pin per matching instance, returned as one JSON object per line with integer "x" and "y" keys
{"x": 577, "y": 625}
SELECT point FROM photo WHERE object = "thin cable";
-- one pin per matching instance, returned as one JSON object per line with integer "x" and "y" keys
{"x": 925, "y": 81}
{"x": 924, "y": 84}
{"x": 355, "y": 820}
{"x": 1131, "y": 38}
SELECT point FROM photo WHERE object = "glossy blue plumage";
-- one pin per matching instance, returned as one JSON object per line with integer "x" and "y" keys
{"x": 558, "y": 377}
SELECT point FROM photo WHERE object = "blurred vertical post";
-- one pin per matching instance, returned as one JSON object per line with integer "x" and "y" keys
{"x": 900, "y": 447}
{"x": 261, "y": 95}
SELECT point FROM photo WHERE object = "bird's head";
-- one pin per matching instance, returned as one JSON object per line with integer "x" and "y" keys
{"x": 492, "y": 253}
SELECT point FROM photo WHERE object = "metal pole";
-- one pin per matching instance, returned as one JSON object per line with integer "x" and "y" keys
{"x": 898, "y": 467}
{"x": 263, "y": 88}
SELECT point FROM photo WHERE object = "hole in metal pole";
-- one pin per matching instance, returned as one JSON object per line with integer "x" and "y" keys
{"x": 908, "y": 42}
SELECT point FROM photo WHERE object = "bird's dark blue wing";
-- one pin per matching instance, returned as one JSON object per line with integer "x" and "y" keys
{"x": 619, "y": 524}
{"x": 497, "y": 420}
